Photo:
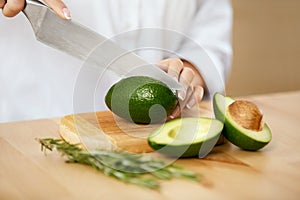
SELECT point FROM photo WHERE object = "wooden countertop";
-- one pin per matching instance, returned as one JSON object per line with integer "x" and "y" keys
{"x": 272, "y": 173}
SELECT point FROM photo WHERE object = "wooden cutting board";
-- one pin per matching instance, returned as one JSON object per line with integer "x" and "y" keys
{"x": 227, "y": 171}
{"x": 107, "y": 131}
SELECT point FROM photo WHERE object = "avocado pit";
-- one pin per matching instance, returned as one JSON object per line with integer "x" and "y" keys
{"x": 243, "y": 123}
{"x": 246, "y": 114}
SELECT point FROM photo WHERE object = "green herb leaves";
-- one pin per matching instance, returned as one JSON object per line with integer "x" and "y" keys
{"x": 136, "y": 169}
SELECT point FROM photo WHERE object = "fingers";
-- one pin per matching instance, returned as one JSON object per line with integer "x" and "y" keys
{"x": 59, "y": 8}
{"x": 173, "y": 66}
{"x": 190, "y": 79}
{"x": 11, "y": 8}
{"x": 2, "y": 3}
{"x": 196, "y": 98}
{"x": 182, "y": 104}
{"x": 164, "y": 65}
{"x": 186, "y": 77}
{"x": 176, "y": 113}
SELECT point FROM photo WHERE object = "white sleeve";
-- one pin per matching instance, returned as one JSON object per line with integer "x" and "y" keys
{"x": 208, "y": 42}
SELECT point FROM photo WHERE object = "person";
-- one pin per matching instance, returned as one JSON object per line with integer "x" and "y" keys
{"x": 38, "y": 81}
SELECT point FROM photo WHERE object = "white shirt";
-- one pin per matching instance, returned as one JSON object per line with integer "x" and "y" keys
{"x": 37, "y": 81}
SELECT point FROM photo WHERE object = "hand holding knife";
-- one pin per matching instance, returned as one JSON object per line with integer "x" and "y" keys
{"x": 51, "y": 30}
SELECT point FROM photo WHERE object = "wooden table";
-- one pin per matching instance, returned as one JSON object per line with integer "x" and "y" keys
{"x": 229, "y": 173}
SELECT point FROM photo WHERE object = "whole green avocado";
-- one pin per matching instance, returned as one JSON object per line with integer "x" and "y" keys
{"x": 141, "y": 99}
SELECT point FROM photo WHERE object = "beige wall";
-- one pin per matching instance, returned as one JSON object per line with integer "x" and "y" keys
{"x": 266, "y": 43}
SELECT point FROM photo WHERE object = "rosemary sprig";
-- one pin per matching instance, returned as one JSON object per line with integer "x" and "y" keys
{"x": 136, "y": 169}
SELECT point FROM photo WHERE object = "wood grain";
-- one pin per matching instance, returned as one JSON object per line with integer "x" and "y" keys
{"x": 228, "y": 172}
{"x": 105, "y": 130}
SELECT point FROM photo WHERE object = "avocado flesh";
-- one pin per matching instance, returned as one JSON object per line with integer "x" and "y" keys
{"x": 244, "y": 138}
{"x": 220, "y": 104}
{"x": 186, "y": 137}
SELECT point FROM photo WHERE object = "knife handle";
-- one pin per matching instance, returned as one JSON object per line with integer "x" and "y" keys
{"x": 34, "y": 2}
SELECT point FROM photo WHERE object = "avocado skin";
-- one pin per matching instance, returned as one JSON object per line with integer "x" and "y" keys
{"x": 134, "y": 97}
{"x": 184, "y": 151}
{"x": 187, "y": 150}
{"x": 231, "y": 133}
{"x": 219, "y": 112}
{"x": 241, "y": 140}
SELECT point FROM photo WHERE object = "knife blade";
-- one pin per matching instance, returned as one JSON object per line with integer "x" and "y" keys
{"x": 85, "y": 44}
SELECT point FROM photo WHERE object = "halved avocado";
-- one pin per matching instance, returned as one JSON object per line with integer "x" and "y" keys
{"x": 242, "y": 123}
{"x": 186, "y": 137}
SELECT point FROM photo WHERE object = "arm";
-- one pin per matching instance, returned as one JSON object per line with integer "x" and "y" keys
{"x": 11, "y": 8}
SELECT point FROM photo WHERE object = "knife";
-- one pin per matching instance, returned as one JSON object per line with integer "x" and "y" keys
{"x": 80, "y": 42}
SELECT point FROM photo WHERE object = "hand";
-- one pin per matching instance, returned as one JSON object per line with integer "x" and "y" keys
{"x": 191, "y": 80}
{"x": 11, "y": 8}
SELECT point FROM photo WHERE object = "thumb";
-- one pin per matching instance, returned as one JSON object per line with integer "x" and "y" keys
{"x": 11, "y": 8}
{"x": 59, "y": 8}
